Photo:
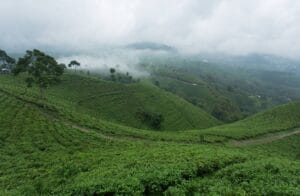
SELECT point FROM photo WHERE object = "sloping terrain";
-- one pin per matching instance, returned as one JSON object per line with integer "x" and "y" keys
{"x": 267, "y": 138}
{"x": 42, "y": 153}
{"x": 126, "y": 104}
{"x": 197, "y": 91}
{"x": 229, "y": 92}
{"x": 280, "y": 118}
{"x": 49, "y": 148}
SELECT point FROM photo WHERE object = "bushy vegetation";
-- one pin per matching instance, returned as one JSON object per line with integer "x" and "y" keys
{"x": 247, "y": 90}
{"x": 51, "y": 157}
{"x": 119, "y": 103}
{"x": 76, "y": 143}
{"x": 288, "y": 147}
{"x": 261, "y": 177}
{"x": 280, "y": 118}
{"x": 42, "y": 70}
{"x": 153, "y": 119}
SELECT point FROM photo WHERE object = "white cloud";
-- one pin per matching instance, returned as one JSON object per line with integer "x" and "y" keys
{"x": 231, "y": 26}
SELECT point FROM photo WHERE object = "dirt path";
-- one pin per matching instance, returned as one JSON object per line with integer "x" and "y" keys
{"x": 267, "y": 138}
{"x": 106, "y": 136}
{"x": 86, "y": 130}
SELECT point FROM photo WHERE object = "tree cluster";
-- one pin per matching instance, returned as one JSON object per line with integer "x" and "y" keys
{"x": 119, "y": 77}
{"x": 74, "y": 64}
{"x": 42, "y": 70}
{"x": 154, "y": 120}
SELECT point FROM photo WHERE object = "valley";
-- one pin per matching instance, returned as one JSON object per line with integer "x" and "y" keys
{"x": 74, "y": 147}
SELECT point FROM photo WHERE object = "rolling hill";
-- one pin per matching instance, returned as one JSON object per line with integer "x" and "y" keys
{"x": 46, "y": 152}
{"x": 280, "y": 118}
{"x": 126, "y": 104}
{"x": 227, "y": 92}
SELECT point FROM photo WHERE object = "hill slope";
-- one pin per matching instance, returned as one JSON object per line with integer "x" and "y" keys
{"x": 279, "y": 118}
{"x": 42, "y": 153}
{"x": 126, "y": 104}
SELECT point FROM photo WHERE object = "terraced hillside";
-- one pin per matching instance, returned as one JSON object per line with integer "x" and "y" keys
{"x": 123, "y": 104}
{"x": 280, "y": 118}
{"x": 43, "y": 153}
{"x": 227, "y": 92}
{"x": 198, "y": 92}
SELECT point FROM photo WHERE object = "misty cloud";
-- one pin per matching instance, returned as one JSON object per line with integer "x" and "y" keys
{"x": 192, "y": 26}
{"x": 123, "y": 60}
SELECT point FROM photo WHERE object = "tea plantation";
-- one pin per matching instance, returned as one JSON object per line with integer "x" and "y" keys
{"x": 75, "y": 144}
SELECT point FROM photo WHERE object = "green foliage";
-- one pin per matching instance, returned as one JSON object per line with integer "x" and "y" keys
{"x": 288, "y": 147}
{"x": 44, "y": 155}
{"x": 42, "y": 69}
{"x": 119, "y": 103}
{"x": 280, "y": 118}
{"x": 262, "y": 177}
{"x": 119, "y": 77}
{"x": 206, "y": 84}
{"x": 67, "y": 148}
{"x": 112, "y": 70}
{"x": 225, "y": 111}
{"x": 74, "y": 64}
{"x": 154, "y": 120}
{"x": 197, "y": 92}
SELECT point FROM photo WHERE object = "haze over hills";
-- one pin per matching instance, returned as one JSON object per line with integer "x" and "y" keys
{"x": 257, "y": 61}
{"x": 129, "y": 97}
{"x": 151, "y": 46}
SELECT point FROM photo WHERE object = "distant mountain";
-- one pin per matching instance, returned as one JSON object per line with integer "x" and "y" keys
{"x": 151, "y": 46}
{"x": 257, "y": 61}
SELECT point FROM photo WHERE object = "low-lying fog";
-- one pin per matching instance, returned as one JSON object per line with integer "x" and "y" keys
{"x": 122, "y": 59}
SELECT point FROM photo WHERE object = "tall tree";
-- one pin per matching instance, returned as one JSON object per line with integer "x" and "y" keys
{"x": 74, "y": 64}
{"x": 42, "y": 70}
{"x": 112, "y": 74}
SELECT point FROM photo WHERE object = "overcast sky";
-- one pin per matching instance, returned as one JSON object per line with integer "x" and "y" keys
{"x": 230, "y": 26}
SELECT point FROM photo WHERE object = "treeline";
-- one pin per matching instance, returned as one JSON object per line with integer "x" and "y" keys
{"x": 120, "y": 77}
{"x": 42, "y": 70}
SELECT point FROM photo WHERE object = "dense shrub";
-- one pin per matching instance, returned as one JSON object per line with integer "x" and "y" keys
{"x": 154, "y": 120}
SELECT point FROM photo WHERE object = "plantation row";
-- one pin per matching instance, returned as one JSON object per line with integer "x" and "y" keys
{"x": 53, "y": 158}
{"x": 278, "y": 119}
{"x": 50, "y": 157}
{"x": 56, "y": 147}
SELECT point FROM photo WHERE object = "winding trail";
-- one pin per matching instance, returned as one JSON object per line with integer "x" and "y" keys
{"x": 267, "y": 138}
{"x": 263, "y": 139}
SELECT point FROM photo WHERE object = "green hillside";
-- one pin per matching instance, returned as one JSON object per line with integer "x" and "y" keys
{"x": 44, "y": 152}
{"x": 124, "y": 103}
{"x": 197, "y": 92}
{"x": 227, "y": 92}
{"x": 280, "y": 118}
{"x": 41, "y": 154}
